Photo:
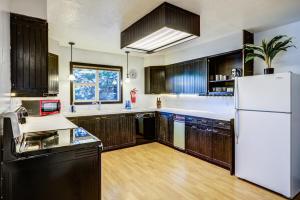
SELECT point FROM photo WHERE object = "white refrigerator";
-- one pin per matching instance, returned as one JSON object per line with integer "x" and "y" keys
{"x": 267, "y": 131}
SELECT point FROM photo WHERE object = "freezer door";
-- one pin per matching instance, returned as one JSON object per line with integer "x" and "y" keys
{"x": 264, "y": 93}
{"x": 262, "y": 153}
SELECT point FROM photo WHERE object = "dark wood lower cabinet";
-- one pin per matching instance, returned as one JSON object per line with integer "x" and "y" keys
{"x": 222, "y": 145}
{"x": 211, "y": 140}
{"x": 166, "y": 129}
{"x": 71, "y": 175}
{"x": 115, "y": 131}
{"x": 199, "y": 140}
{"x": 208, "y": 139}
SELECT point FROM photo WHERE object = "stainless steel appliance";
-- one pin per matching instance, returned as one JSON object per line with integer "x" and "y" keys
{"x": 179, "y": 132}
{"x": 145, "y": 127}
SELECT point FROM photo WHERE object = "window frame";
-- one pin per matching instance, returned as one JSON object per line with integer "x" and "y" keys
{"x": 96, "y": 67}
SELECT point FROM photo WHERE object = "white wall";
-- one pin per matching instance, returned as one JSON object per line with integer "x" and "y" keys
{"x": 105, "y": 59}
{"x": 4, "y": 56}
{"x": 34, "y": 8}
{"x": 286, "y": 61}
{"x": 221, "y": 45}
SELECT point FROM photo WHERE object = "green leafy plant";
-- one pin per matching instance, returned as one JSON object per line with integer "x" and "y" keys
{"x": 268, "y": 50}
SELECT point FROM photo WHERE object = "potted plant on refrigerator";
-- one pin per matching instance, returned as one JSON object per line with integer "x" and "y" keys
{"x": 268, "y": 50}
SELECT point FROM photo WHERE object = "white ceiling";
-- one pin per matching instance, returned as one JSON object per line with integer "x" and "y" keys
{"x": 97, "y": 24}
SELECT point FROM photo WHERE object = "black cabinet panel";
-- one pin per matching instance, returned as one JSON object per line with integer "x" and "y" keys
{"x": 189, "y": 77}
{"x": 114, "y": 131}
{"x": 166, "y": 129}
{"x": 211, "y": 140}
{"x": 170, "y": 79}
{"x": 155, "y": 80}
{"x": 29, "y": 55}
{"x": 62, "y": 176}
{"x": 53, "y": 83}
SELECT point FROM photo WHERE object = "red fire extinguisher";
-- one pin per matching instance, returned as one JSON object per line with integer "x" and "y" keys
{"x": 133, "y": 95}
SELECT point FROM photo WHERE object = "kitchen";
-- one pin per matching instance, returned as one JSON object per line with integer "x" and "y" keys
{"x": 114, "y": 116}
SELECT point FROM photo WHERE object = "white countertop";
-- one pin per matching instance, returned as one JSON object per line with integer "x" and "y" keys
{"x": 46, "y": 123}
{"x": 94, "y": 112}
{"x": 195, "y": 113}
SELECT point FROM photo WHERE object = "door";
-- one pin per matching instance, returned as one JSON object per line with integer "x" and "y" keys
{"x": 110, "y": 125}
{"x": 29, "y": 55}
{"x": 157, "y": 80}
{"x": 170, "y": 79}
{"x": 264, "y": 93}
{"x": 179, "y": 134}
{"x": 53, "y": 83}
{"x": 262, "y": 149}
{"x": 205, "y": 141}
{"x": 127, "y": 129}
{"x": 221, "y": 147}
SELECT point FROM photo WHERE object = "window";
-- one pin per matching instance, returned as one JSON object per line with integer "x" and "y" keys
{"x": 96, "y": 83}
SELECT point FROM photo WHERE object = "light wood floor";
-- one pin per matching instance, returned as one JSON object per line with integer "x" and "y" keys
{"x": 156, "y": 172}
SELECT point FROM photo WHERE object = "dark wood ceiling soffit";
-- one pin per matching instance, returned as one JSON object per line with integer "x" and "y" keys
{"x": 165, "y": 15}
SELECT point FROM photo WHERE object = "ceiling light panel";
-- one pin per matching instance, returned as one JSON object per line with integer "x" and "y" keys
{"x": 160, "y": 38}
{"x": 165, "y": 26}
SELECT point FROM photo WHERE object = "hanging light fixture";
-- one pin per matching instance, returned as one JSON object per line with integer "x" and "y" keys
{"x": 71, "y": 76}
{"x": 127, "y": 80}
{"x": 165, "y": 26}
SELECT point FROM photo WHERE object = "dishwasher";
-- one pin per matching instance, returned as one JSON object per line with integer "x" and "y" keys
{"x": 179, "y": 132}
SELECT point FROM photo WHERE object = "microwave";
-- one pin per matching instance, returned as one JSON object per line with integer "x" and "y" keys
{"x": 42, "y": 107}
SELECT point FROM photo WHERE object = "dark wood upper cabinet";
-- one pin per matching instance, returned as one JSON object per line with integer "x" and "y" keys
{"x": 188, "y": 77}
{"x": 170, "y": 79}
{"x": 53, "y": 83}
{"x": 155, "y": 80}
{"x": 248, "y": 38}
{"x": 178, "y": 78}
{"x": 29, "y": 56}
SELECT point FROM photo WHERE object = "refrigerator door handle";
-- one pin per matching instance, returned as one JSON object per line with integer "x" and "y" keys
{"x": 236, "y": 93}
{"x": 236, "y": 127}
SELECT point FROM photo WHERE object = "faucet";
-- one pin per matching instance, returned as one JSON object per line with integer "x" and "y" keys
{"x": 99, "y": 104}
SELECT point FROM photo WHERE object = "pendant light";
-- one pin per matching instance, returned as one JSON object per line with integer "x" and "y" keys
{"x": 127, "y": 80}
{"x": 71, "y": 76}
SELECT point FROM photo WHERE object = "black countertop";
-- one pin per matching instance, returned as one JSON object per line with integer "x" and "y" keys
{"x": 47, "y": 142}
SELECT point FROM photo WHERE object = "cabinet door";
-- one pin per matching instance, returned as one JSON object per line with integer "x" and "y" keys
{"x": 99, "y": 131}
{"x": 204, "y": 141}
{"x": 166, "y": 134}
{"x": 200, "y": 76}
{"x": 88, "y": 123}
{"x": 178, "y": 78}
{"x": 222, "y": 146}
{"x": 53, "y": 83}
{"x": 110, "y": 125}
{"x": 29, "y": 55}
{"x": 192, "y": 145}
{"x": 189, "y": 80}
{"x": 127, "y": 129}
{"x": 157, "y": 80}
{"x": 170, "y": 79}
{"x": 163, "y": 128}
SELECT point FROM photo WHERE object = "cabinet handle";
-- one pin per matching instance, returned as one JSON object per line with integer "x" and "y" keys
{"x": 236, "y": 127}
{"x": 97, "y": 118}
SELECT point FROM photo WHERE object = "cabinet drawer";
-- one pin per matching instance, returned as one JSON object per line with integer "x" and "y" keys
{"x": 222, "y": 124}
{"x": 205, "y": 122}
